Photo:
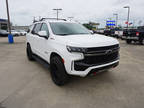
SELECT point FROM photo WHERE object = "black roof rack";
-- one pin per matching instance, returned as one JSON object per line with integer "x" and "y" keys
{"x": 35, "y": 21}
{"x": 52, "y": 19}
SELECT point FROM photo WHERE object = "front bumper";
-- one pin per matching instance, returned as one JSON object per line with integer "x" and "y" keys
{"x": 96, "y": 58}
{"x": 123, "y": 37}
{"x": 95, "y": 69}
{"x": 132, "y": 38}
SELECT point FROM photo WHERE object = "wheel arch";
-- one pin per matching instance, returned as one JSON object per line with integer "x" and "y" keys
{"x": 53, "y": 54}
{"x": 28, "y": 43}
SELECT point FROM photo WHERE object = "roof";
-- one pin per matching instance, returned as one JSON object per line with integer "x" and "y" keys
{"x": 56, "y": 21}
{"x": 49, "y": 20}
{"x": 52, "y": 20}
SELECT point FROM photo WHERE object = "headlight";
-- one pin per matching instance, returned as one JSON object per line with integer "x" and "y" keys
{"x": 76, "y": 49}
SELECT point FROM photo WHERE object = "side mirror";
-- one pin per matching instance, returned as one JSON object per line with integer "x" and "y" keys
{"x": 43, "y": 34}
{"x": 28, "y": 31}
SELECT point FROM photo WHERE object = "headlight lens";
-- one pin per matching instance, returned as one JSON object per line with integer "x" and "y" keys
{"x": 76, "y": 49}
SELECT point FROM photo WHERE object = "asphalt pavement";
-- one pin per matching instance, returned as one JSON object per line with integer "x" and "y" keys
{"x": 25, "y": 84}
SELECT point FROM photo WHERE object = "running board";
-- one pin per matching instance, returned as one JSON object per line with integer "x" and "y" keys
{"x": 41, "y": 61}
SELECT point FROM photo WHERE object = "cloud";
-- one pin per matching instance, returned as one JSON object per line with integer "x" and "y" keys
{"x": 23, "y": 11}
{"x": 122, "y": 2}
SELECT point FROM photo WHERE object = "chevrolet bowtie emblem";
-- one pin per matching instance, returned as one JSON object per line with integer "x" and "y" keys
{"x": 108, "y": 51}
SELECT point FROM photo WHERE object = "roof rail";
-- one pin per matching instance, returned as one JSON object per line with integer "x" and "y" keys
{"x": 35, "y": 21}
{"x": 42, "y": 19}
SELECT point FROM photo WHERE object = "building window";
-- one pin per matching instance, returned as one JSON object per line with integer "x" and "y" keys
{"x": 4, "y": 26}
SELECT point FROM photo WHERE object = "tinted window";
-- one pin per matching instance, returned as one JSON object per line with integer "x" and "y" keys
{"x": 141, "y": 27}
{"x": 60, "y": 28}
{"x": 45, "y": 28}
{"x": 36, "y": 28}
{"x": 4, "y": 26}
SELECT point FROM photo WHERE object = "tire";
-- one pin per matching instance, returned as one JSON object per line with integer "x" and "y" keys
{"x": 142, "y": 41}
{"x": 29, "y": 53}
{"x": 58, "y": 72}
{"x": 122, "y": 38}
{"x": 128, "y": 41}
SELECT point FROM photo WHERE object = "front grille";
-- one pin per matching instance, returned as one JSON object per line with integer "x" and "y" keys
{"x": 100, "y": 59}
{"x": 97, "y": 56}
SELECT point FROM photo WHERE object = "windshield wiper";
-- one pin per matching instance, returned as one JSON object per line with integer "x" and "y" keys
{"x": 83, "y": 33}
{"x": 63, "y": 34}
{"x": 71, "y": 34}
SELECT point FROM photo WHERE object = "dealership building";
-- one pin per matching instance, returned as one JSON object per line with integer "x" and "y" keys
{"x": 3, "y": 24}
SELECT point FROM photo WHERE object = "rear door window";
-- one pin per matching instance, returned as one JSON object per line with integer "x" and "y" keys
{"x": 45, "y": 28}
{"x": 36, "y": 28}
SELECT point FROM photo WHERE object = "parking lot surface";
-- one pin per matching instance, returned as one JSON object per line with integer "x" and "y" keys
{"x": 25, "y": 84}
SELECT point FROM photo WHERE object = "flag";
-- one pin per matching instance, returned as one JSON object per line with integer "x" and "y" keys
{"x": 130, "y": 23}
{"x": 126, "y": 22}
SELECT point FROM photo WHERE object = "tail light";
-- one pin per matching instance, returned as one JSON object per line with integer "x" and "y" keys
{"x": 137, "y": 33}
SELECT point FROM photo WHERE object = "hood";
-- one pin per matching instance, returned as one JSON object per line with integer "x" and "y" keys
{"x": 95, "y": 40}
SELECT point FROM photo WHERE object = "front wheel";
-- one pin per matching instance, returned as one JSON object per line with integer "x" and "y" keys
{"x": 29, "y": 53}
{"x": 142, "y": 41}
{"x": 58, "y": 72}
{"x": 128, "y": 41}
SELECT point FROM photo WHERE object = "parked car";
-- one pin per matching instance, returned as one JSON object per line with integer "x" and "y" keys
{"x": 99, "y": 31}
{"x": 110, "y": 32}
{"x": 22, "y": 32}
{"x": 107, "y": 32}
{"x": 136, "y": 35}
{"x": 118, "y": 33}
{"x": 125, "y": 34}
{"x": 114, "y": 32}
{"x": 141, "y": 34}
{"x": 3, "y": 33}
{"x": 70, "y": 49}
{"x": 15, "y": 32}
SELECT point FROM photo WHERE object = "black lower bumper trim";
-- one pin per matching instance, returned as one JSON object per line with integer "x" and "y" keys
{"x": 80, "y": 66}
{"x": 104, "y": 68}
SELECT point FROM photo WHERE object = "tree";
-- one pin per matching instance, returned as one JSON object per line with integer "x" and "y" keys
{"x": 88, "y": 26}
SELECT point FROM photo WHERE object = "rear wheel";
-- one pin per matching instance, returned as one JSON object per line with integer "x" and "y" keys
{"x": 128, "y": 41}
{"x": 58, "y": 72}
{"x": 142, "y": 41}
{"x": 29, "y": 53}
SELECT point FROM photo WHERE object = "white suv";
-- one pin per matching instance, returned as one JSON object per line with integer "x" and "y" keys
{"x": 70, "y": 49}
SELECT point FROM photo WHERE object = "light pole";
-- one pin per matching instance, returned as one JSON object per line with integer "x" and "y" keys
{"x": 57, "y": 12}
{"x": 10, "y": 36}
{"x": 34, "y": 19}
{"x": 128, "y": 15}
{"x": 116, "y": 19}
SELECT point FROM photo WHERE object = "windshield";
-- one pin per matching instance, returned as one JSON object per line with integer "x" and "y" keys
{"x": 60, "y": 28}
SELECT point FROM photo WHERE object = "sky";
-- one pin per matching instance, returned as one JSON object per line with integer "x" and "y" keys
{"x": 23, "y": 11}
